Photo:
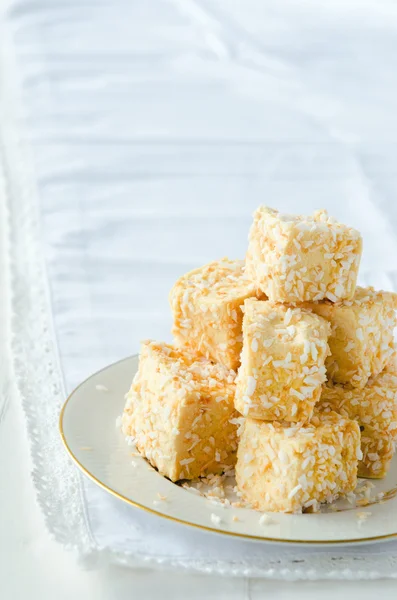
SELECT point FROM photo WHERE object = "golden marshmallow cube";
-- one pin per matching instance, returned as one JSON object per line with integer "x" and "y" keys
{"x": 361, "y": 340}
{"x": 282, "y": 362}
{"x": 294, "y": 258}
{"x": 180, "y": 412}
{"x": 288, "y": 468}
{"x": 206, "y": 305}
{"x": 374, "y": 407}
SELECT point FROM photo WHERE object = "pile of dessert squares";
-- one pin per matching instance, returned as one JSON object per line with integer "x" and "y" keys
{"x": 281, "y": 368}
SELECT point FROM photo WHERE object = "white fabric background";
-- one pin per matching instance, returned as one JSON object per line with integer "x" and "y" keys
{"x": 155, "y": 129}
{"x": 156, "y": 134}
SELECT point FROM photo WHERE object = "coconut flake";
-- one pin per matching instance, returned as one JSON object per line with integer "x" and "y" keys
{"x": 254, "y": 345}
{"x": 186, "y": 461}
{"x": 265, "y": 520}
{"x": 359, "y": 334}
{"x": 101, "y": 388}
{"x": 215, "y": 519}
{"x": 294, "y": 491}
{"x": 251, "y": 385}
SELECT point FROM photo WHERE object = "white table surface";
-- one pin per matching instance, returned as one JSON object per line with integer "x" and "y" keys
{"x": 347, "y": 117}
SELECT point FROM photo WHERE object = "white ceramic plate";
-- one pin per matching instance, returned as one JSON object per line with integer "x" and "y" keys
{"x": 89, "y": 432}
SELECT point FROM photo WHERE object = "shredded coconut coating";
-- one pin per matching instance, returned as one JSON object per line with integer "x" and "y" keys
{"x": 179, "y": 410}
{"x": 297, "y": 258}
{"x": 282, "y": 363}
{"x": 288, "y": 469}
{"x": 375, "y": 409}
{"x": 206, "y": 305}
{"x": 361, "y": 340}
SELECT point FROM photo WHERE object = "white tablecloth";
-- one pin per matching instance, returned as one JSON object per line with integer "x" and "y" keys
{"x": 145, "y": 134}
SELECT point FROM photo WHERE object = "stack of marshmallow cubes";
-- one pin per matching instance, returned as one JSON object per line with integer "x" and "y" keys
{"x": 281, "y": 367}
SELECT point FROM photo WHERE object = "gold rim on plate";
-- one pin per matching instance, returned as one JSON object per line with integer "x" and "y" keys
{"x": 257, "y": 538}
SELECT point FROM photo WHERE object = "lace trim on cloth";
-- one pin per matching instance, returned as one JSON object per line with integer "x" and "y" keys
{"x": 33, "y": 346}
{"x": 41, "y": 392}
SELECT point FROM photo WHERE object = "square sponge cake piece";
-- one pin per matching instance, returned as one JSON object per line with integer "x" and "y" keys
{"x": 206, "y": 305}
{"x": 282, "y": 363}
{"x": 295, "y": 258}
{"x": 287, "y": 469}
{"x": 375, "y": 409}
{"x": 181, "y": 413}
{"x": 362, "y": 338}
